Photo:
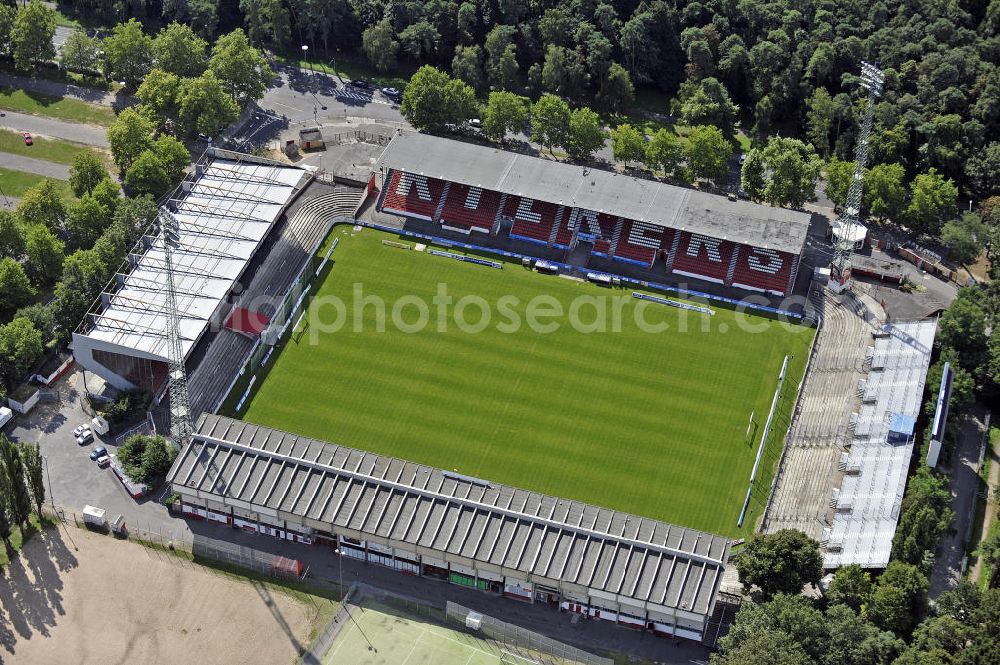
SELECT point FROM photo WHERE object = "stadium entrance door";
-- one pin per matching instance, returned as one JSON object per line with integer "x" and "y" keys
{"x": 579, "y": 253}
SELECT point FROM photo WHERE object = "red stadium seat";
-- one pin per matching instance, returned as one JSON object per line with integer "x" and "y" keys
{"x": 533, "y": 220}
{"x": 640, "y": 241}
{"x": 759, "y": 269}
{"x": 412, "y": 194}
{"x": 469, "y": 208}
{"x": 703, "y": 257}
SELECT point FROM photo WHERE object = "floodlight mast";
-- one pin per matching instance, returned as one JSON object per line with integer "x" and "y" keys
{"x": 180, "y": 406}
{"x": 872, "y": 79}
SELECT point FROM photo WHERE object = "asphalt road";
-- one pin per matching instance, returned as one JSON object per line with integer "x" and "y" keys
{"x": 71, "y": 131}
{"x": 309, "y": 98}
{"x": 36, "y": 166}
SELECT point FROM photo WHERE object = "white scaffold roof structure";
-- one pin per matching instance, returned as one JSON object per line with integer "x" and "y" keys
{"x": 225, "y": 209}
{"x": 868, "y": 502}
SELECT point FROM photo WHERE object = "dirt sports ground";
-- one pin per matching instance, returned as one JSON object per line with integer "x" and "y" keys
{"x": 75, "y": 597}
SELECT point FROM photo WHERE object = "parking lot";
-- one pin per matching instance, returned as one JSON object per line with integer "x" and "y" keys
{"x": 75, "y": 480}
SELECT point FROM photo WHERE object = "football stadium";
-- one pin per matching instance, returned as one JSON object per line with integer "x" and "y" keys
{"x": 527, "y": 377}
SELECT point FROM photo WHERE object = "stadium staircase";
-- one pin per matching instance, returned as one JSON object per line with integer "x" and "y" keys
{"x": 444, "y": 198}
{"x": 820, "y": 430}
{"x": 732, "y": 265}
{"x": 616, "y": 236}
{"x": 499, "y": 214}
{"x": 296, "y": 241}
{"x": 672, "y": 253}
{"x": 560, "y": 212}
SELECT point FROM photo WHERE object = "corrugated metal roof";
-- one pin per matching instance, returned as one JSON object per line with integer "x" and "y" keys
{"x": 598, "y": 190}
{"x": 412, "y": 504}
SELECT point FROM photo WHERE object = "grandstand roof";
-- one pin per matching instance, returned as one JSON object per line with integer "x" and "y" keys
{"x": 224, "y": 211}
{"x": 598, "y": 190}
{"x": 282, "y": 474}
{"x": 869, "y": 501}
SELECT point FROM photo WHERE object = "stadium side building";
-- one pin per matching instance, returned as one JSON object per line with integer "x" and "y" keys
{"x": 420, "y": 520}
{"x": 679, "y": 232}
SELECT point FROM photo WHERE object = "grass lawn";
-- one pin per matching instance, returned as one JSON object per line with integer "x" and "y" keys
{"x": 18, "y": 537}
{"x": 16, "y": 183}
{"x": 64, "y": 108}
{"x": 53, "y": 150}
{"x": 651, "y": 423}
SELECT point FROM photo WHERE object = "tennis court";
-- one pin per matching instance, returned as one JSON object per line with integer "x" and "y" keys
{"x": 377, "y": 634}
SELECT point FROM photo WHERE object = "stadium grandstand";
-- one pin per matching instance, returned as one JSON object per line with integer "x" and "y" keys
{"x": 876, "y": 465}
{"x": 420, "y": 520}
{"x": 466, "y": 188}
{"x": 228, "y": 209}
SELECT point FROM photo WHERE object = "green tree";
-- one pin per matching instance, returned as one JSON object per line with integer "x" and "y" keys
{"x": 900, "y": 598}
{"x": 586, "y": 134}
{"x": 31, "y": 459}
{"x": 885, "y": 190}
{"x": 665, "y": 152}
{"x": 753, "y": 175}
{"x": 708, "y": 152}
{"x": 6, "y": 527}
{"x": 839, "y": 175}
{"x": 129, "y": 136}
{"x": 173, "y": 155}
{"x": 433, "y": 99}
{"x": 627, "y": 144}
{"x": 240, "y": 67}
{"x": 850, "y": 586}
{"x": 86, "y": 171}
{"x": 420, "y": 39}
{"x": 8, "y": 14}
{"x": 962, "y": 328}
{"x": 20, "y": 349}
{"x": 820, "y": 117}
{"x": 204, "y": 105}
{"x": 45, "y": 254}
{"x": 379, "y": 46}
{"x": 84, "y": 275}
{"x": 11, "y": 235}
{"x": 504, "y": 112}
{"x": 793, "y": 169}
{"x": 267, "y": 23}
{"x": 793, "y": 616}
{"x": 15, "y": 287}
{"x": 564, "y": 72}
{"x": 616, "y": 92}
{"x": 108, "y": 194}
{"x": 85, "y": 221}
{"x": 505, "y": 73}
{"x": 81, "y": 53}
{"x": 146, "y": 458}
{"x": 854, "y": 640}
{"x": 204, "y": 16}
{"x": 31, "y": 35}
{"x": 550, "y": 117}
{"x": 780, "y": 562}
{"x": 965, "y": 238}
{"x": 179, "y": 51}
{"x": 769, "y": 647}
{"x": 499, "y": 42}
{"x": 925, "y": 515}
{"x": 43, "y": 204}
{"x": 467, "y": 65}
{"x": 41, "y": 317}
{"x": 982, "y": 171}
{"x": 158, "y": 93}
{"x": 147, "y": 175}
{"x": 128, "y": 53}
{"x": 19, "y": 498}
{"x": 932, "y": 200}
{"x": 710, "y": 105}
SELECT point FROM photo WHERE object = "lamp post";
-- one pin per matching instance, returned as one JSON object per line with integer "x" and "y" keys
{"x": 52, "y": 500}
{"x": 305, "y": 54}
{"x": 340, "y": 565}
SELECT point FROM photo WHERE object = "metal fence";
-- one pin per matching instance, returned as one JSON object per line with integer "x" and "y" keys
{"x": 272, "y": 565}
{"x": 519, "y": 643}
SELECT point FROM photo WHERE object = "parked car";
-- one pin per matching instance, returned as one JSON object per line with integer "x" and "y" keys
{"x": 27, "y": 139}
{"x": 103, "y": 461}
{"x": 361, "y": 83}
{"x": 743, "y": 158}
{"x": 742, "y": 194}
{"x": 475, "y": 122}
{"x": 392, "y": 93}
{"x": 98, "y": 452}
{"x": 86, "y": 437}
{"x": 80, "y": 429}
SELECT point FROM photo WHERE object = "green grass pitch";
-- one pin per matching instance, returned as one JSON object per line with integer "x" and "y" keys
{"x": 650, "y": 423}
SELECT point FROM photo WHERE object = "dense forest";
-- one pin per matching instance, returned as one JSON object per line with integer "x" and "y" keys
{"x": 789, "y": 67}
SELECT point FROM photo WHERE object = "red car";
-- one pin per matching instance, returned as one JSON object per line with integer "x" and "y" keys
{"x": 27, "y": 138}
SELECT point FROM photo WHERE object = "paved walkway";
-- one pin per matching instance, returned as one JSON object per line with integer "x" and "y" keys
{"x": 36, "y": 166}
{"x": 71, "y": 131}
{"x": 990, "y": 514}
{"x": 964, "y": 487}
